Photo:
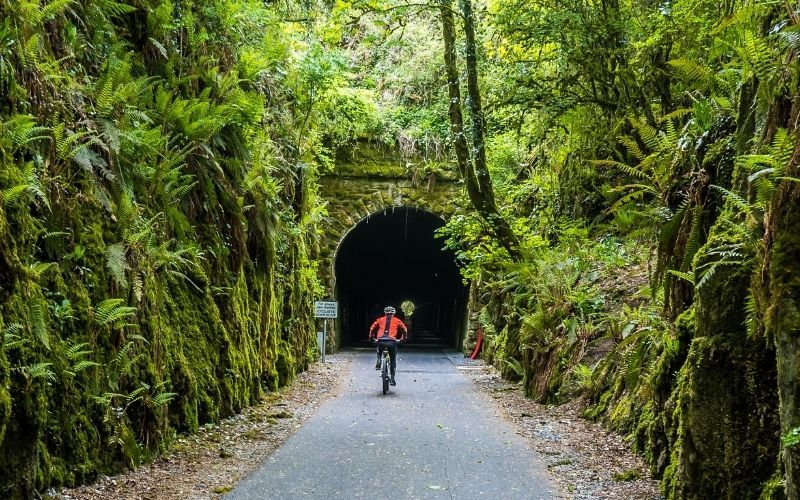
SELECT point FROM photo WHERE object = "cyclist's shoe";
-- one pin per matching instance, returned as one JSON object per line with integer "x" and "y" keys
{"x": 392, "y": 382}
{"x": 377, "y": 365}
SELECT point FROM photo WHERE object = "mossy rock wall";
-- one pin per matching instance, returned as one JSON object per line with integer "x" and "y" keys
{"x": 726, "y": 441}
{"x": 725, "y": 437}
{"x": 156, "y": 254}
{"x": 217, "y": 345}
{"x": 370, "y": 179}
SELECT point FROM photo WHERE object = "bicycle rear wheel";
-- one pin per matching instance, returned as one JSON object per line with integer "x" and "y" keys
{"x": 385, "y": 374}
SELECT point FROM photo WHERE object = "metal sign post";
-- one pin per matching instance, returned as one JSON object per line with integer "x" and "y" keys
{"x": 325, "y": 310}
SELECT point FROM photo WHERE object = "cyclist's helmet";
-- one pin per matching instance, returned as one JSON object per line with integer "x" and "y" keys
{"x": 389, "y": 310}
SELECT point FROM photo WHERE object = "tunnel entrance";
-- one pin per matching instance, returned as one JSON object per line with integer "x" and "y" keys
{"x": 394, "y": 258}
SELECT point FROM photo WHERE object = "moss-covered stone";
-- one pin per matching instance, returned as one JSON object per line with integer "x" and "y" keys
{"x": 369, "y": 179}
{"x": 780, "y": 296}
{"x": 726, "y": 431}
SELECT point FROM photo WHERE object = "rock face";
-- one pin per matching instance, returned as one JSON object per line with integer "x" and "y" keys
{"x": 153, "y": 278}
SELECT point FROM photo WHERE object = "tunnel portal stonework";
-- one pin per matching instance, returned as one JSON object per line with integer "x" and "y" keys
{"x": 372, "y": 180}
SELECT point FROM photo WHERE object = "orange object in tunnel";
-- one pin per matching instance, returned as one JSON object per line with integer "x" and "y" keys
{"x": 378, "y": 328}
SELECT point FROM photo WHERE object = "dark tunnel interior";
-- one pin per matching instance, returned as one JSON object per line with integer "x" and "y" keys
{"x": 393, "y": 258}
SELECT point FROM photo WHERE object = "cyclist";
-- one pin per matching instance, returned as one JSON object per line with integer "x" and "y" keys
{"x": 388, "y": 330}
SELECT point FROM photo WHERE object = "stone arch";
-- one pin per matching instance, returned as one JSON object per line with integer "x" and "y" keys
{"x": 353, "y": 201}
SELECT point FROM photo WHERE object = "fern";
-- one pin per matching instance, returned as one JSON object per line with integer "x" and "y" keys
{"x": 649, "y": 135}
{"x": 110, "y": 8}
{"x": 38, "y": 371}
{"x": 37, "y": 269}
{"x": 13, "y": 194}
{"x": 117, "y": 263}
{"x": 38, "y": 323}
{"x": 632, "y": 171}
{"x": 32, "y": 187}
{"x": 124, "y": 359}
{"x": 54, "y": 8}
{"x": 136, "y": 395}
{"x": 755, "y": 51}
{"x": 691, "y": 70}
{"x": 77, "y": 351}
{"x": 80, "y": 366}
{"x": 671, "y": 228}
{"x": 69, "y": 144}
{"x": 790, "y": 36}
{"x": 584, "y": 376}
{"x": 684, "y": 276}
{"x": 113, "y": 313}
{"x": 515, "y": 366}
{"x": 709, "y": 271}
{"x": 53, "y": 234}
{"x": 12, "y": 338}
{"x": 737, "y": 201}
{"x": 162, "y": 399}
{"x": 791, "y": 438}
{"x": 22, "y": 130}
{"x": 138, "y": 287}
{"x": 695, "y": 237}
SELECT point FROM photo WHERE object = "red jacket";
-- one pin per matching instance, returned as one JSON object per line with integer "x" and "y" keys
{"x": 379, "y": 327}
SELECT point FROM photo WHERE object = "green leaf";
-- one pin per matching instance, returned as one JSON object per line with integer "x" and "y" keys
{"x": 113, "y": 312}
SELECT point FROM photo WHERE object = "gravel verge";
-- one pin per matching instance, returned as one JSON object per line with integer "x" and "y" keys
{"x": 588, "y": 462}
{"x": 208, "y": 464}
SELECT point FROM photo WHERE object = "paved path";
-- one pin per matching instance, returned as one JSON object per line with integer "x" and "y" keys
{"x": 433, "y": 436}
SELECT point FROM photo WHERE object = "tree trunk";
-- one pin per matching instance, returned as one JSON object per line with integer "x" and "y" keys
{"x": 475, "y": 173}
{"x": 454, "y": 93}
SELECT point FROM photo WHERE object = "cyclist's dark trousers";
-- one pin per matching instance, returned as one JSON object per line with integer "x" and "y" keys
{"x": 391, "y": 345}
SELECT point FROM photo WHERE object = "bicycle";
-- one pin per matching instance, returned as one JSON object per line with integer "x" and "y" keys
{"x": 386, "y": 376}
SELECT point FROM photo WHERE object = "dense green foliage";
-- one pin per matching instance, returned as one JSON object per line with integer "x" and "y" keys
{"x": 666, "y": 125}
{"x": 157, "y": 211}
{"x": 158, "y": 214}
{"x": 646, "y": 156}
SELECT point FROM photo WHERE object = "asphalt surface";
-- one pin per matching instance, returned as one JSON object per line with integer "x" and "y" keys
{"x": 433, "y": 436}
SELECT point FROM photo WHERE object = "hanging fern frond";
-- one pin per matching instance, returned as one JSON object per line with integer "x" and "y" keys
{"x": 37, "y": 371}
{"x": 753, "y": 315}
{"x": 77, "y": 351}
{"x": 113, "y": 313}
{"x": 682, "y": 275}
{"x": 12, "y": 336}
{"x": 37, "y": 315}
{"x": 632, "y": 171}
{"x": 138, "y": 286}
{"x": 110, "y": 8}
{"x": 13, "y": 194}
{"x": 709, "y": 271}
{"x": 53, "y": 234}
{"x": 37, "y": 269}
{"x": 117, "y": 263}
{"x": 691, "y": 70}
{"x": 737, "y": 201}
{"x": 80, "y": 366}
{"x": 52, "y": 9}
